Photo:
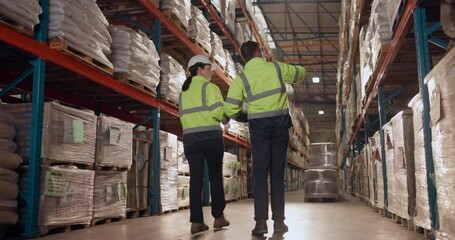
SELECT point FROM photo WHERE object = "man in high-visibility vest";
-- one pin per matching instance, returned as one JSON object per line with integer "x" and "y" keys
{"x": 261, "y": 87}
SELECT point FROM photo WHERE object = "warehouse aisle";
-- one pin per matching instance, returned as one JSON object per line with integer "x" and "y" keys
{"x": 349, "y": 219}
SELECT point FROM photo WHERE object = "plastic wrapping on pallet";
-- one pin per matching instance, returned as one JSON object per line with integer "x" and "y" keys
{"x": 182, "y": 162}
{"x": 378, "y": 179}
{"x": 321, "y": 183}
{"x": 422, "y": 208}
{"x": 66, "y": 196}
{"x": 230, "y": 65}
{"x": 24, "y": 12}
{"x": 217, "y": 5}
{"x": 183, "y": 191}
{"x": 68, "y": 134}
{"x": 381, "y": 30}
{"x": 403, "y": 147}
{"x": 441, "y": 88}
{"x": 217, "y": 50}
{"x": 181, "y": 9}
{"x": 390, "y": 158}
{"x": 323, "y": 155}
{"x": 114, "y": 143}
{"x": 82, "y": 26}
{"x": 200, "y": 29}
{"x": 110, "y": 194}
{"x": 230, "y": 164}
{"x": 229, "y": 14}
{"x": 172, "y": 78}
{"x": 231, "y": 188}
{"x": 168, "y": 171}
{"x": 135, "y": 55}
{"x": 138, "y": 175}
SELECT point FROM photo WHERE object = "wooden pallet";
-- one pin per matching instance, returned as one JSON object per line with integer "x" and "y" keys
{"x": 110, "y": 168}
{"x": 184, "y": 207}
{"x": 47, "y": 230}
{"x": 125, "y": 78}
{"x": 16, "y": 26}
{"x": 184, "y": 174}
{"x": 99, "y": 221}
{"x": 233, "y": 133}
{"x": 169, "y": 14}
{"x": 169, "y": 101}
{"x": 61, "y": 46}
{"x": 223, "y": 68}
{"x": 50, "y": 163}
{"x": 138, "y": 212}
{"x": 404, "y": 222}
{"x": 426, "y": 232}
{"x": 170, "y": 211}
{"x": 195, "y": 41}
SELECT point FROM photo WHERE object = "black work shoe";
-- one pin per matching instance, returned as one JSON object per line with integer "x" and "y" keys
{"x": 221, "y": 222}
{"x": 260, "y": 228}
{"x": 279, "y": 226}
{"x": 198, "y": 227}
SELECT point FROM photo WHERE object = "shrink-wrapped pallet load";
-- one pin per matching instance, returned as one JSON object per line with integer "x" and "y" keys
{"x": 109, "y": 195}
{"x": 24, "y": 12}
{"x": 200, "y": 29}
{"x": 172, "y": 78}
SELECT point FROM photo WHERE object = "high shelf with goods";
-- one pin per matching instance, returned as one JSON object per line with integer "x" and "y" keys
{"x": 378, "y": 98}
{"x": 57, "y": 72}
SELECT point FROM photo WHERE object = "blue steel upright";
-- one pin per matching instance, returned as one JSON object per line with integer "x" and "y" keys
{"x": 34, "y": 184}
{"x": 423, "y": 64}
{"x": 382, "y": 122}
{"x": 156, "y": 189}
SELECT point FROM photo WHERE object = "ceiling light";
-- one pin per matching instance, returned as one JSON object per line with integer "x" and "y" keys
{"x": 321, "y": 112}
{"x": 316, "y": 80}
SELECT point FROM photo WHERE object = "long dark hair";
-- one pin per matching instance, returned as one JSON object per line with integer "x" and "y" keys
{"x": 193, "y": 72}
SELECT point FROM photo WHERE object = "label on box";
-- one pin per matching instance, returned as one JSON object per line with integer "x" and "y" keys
{"x": 114, "y": 135}
{"x": 435, "y": 106}
{"x": 167, "y": 153}
{"x": 55, "y": 184}
{"x": 73, "y": 131}
{"x": 121, "y": 191}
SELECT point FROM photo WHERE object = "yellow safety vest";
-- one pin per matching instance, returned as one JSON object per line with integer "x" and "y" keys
{"x": 261, "y": 87}
{"x": 201, "y": 106}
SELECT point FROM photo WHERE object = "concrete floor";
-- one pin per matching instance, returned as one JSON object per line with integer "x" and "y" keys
{"x": 348, "y": 219}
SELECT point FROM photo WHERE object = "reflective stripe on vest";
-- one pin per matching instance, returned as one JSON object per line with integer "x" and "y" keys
{"x": 197, "y": 109}
{"x": 249, "y": 95}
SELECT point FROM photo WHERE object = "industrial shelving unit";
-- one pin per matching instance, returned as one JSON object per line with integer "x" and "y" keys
{"x": 58, "y": 76}
{"x": 404, "y": 44}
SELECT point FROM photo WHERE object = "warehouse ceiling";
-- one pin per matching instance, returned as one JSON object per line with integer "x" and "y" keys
{"x": 306, "y": 33}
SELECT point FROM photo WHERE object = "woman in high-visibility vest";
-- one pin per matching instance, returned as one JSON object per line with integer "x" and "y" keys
{"x": 201, "y": 111}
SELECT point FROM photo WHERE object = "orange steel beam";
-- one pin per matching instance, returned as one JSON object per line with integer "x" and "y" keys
{"x": 308, "y": 44}
{"x": 221, "y": 25}
{"x": 253, "y": 27}
{"x": 310, "y": 59}
{"x": 43, "y": 51}
{"x": 174, "y": 29}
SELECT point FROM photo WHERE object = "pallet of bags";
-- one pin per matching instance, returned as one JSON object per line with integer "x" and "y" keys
{"x": 183, "y": 166}
{"x": 114, "y": 143}
{"x": 68, "y": 134}
{"x": 200, "y": 29}
{"x": 172, "y": 78}
{"x": 22, "y": 15}
{"x": 79, "y": 28}
{"x": 183, "y": 191}
{"x": 134, "y": 58}
{"x": 168, "y": 171}
{"x": 218, "y": 54}
{"x": 179, "y": 11}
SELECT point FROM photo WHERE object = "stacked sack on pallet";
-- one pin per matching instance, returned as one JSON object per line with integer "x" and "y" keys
{"x": 82, "y": 26}
{"x": 321, "y": 179}
{"x": 183, "y": 166}
{"x": 180, "y": 9}
{"x": 9, "y": 161}
{"x": 217, "y": 50}
{"x": 422, "y": 208}
{"x": 440, "y": 82}
{"x": 183, "y": 178}
{"x": 168, "y": 171}
{"x": 24, "y": 12}
{"x": 172, "y": 78}
{"x": 230, "y": 65}
{"x": 200, "y": 29}
{"x": 226, "y": 8}
{"x": 230, "y": 172}
{"x": 230, "y": 165}
{"x": 134, "y": 55}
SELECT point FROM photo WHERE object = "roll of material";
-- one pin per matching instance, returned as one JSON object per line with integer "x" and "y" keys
{"x": 10, "y": 160}
{"x": 7, "y": 217}
{"x": 8, "y": 175}
{"x": 7, "y": 146}
{"x": 8, "y": 190}
{"x": 7, "y": 131}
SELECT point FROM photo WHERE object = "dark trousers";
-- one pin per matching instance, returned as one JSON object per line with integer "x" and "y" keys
{"x": 197, "y": 154}
{"x": 269, "y": 157}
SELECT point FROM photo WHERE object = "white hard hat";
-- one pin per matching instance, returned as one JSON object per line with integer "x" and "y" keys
{"x": 201, "y": 59}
